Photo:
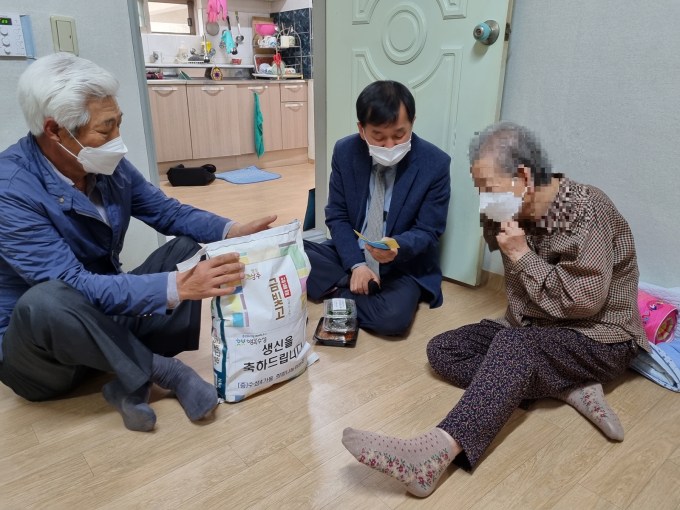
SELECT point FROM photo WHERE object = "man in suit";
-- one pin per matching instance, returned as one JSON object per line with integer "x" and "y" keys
{"x": 388, "y": 184}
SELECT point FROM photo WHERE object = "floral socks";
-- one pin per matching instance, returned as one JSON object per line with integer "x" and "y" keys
{"x": 589, "y": 401}
{"x": 416, "y": 462}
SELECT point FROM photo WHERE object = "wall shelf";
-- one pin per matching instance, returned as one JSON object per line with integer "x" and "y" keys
{"x": 198, "y": 66}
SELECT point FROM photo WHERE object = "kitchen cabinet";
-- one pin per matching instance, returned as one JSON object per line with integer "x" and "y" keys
{"x": 294, "y": 92}
{"x": 170, "y": 117}
{"x": 294, "y": 125}
{"x": 213, "y": 116}
{"x": 270, "y": 106}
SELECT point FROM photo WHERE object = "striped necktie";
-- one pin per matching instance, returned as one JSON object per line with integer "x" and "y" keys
{"x": 376, "y": 216}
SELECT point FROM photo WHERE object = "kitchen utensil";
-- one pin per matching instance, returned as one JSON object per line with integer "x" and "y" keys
{"x": 239, "y": 37}
{"x": 212, "y": 28}
{"x": 260, "y": 59}
{"x": 278, "y": 66}
{"x": 208, "y": 46}
{"x": 265, "y": 28}
{"x": 182, "y": 52}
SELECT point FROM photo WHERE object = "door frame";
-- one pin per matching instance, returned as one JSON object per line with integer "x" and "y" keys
{"x": 320, "y": 115}
{"x": 137, "y": 48}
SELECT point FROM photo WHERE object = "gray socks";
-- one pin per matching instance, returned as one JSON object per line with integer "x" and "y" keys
{"x": 197, "y": 396}
{"x": 133, "y": 407}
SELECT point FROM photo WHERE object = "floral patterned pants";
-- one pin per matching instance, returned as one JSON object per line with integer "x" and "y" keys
{"x": 502, "y": 368}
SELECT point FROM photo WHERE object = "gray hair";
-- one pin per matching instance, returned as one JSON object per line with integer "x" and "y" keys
{"x": 59, "y": 86}
{"x": 512, "y": 146}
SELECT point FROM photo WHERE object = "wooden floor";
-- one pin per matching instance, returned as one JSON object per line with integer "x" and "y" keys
{"x": 286, "y": 197}
{"x": 281, "y": 449}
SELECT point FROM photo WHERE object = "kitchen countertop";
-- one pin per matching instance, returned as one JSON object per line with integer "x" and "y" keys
{"x": 227, "y": 81}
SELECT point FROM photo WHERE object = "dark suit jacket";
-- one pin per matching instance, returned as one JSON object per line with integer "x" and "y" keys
{"x": 418, "y": 210}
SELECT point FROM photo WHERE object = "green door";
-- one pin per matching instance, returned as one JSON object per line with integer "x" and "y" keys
{"x": 457, "y": 82}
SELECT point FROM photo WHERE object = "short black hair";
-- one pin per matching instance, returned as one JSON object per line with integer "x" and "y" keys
{"x": 380, "y": 102}
{"x": 512, "y": 146}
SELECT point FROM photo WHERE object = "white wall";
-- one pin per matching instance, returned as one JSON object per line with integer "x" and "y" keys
{"x": 290, "y": 5}
{"x": 104, "y": 36}
{"x": 599, "y": 83}
{"x": 169, "y": 44}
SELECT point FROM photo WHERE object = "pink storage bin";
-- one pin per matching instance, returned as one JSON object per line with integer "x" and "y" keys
{"x": 658, "y": 318}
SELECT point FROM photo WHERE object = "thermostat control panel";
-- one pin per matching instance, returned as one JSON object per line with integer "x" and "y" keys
{"x": 11, "y": 36}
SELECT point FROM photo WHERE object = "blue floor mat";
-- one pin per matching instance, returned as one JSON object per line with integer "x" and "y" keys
{"x": 248, "y": 175}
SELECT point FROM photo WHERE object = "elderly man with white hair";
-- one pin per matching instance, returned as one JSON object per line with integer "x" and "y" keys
{"x": 67, "y": 194}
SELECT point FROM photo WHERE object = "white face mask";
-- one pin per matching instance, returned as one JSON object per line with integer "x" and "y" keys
{"x": 388, "y": 157}
{"x": 100, "y": 160}
{"x": 500, "y": 207}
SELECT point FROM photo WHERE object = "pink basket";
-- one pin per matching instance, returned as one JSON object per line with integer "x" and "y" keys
{"x": 659, "y": 319}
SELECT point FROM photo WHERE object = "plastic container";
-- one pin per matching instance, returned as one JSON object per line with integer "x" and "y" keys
{"x": 340, "y": 315}
{"x": 659, "y": 319}
{"x": 348, "y": 339}
{"x": 265, "y": 28}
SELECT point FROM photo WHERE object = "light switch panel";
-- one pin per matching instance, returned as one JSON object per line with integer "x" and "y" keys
{"x": 64, "y": 34}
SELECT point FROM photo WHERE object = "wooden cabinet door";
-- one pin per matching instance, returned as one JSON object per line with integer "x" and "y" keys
{"x": 170, "y": 118}
{"x": 270, "y": 106}
{"x": 294, "y": 125}
{"x": 213, "y": 112}
{"x": 296, "y": 92}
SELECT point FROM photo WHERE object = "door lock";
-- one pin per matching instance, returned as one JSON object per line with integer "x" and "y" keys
{"x": 486, "y": 33}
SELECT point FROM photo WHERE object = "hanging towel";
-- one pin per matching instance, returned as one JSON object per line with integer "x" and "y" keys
{"x": 259, "y": 141}
{"x": 228, "y": 40}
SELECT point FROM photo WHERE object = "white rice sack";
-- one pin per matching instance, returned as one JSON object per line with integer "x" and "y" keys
{"x": 259, "y": 331}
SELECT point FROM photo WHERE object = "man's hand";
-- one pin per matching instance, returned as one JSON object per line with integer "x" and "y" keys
{"x": 382, "y": 256}
{"x": 204, "y": 280}
{"x": 361, "y": 275}
{"x": 240, "y": 230}
{"x": 512, "y": 241}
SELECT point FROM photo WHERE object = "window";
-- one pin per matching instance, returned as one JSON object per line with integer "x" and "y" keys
{"x": 171, "y": 17}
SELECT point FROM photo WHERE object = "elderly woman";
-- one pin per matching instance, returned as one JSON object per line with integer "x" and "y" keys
{"x": 572, "y": 321}
{"x": 67, "y": 194}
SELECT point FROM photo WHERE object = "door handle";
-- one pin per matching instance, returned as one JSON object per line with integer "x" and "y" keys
{"x": 161, "y": 89}
{"x": 487, "y": 32}
{"x": 212, "y": 88}
{"x": 258, "y": 88}
{"x": 292, "y": 87}
{"x": 292, "y": 105}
